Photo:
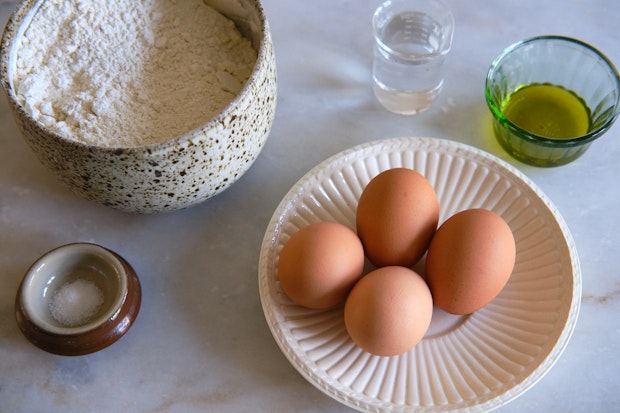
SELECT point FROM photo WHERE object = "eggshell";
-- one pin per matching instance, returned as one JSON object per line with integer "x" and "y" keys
{"x": 320, "y": 263}
{"x": 396, "y": 217}
{"x": 388, "y": 311}
{"x": 470, "y": 260}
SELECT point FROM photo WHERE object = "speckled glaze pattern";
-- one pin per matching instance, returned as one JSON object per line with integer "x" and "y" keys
{"x": 177, "y": 173}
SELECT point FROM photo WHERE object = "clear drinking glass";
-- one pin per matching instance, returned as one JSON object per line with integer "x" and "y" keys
{"x": 574, "y": 67}
{"x": 412, "y": 39}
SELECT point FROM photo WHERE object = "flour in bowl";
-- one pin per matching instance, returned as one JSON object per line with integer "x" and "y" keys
{"x": 129, "y": 73}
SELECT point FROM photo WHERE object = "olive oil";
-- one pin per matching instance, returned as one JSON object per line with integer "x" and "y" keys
{"x": 549, "y": 111}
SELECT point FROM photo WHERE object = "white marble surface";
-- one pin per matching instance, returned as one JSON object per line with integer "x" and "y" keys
{"x": 201, "y": 342}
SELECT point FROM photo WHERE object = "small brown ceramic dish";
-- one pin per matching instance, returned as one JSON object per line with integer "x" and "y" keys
{"x": 77, "y": 299}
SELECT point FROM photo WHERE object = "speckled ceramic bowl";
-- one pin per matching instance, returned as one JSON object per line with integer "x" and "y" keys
{"x": 179, "y": 172}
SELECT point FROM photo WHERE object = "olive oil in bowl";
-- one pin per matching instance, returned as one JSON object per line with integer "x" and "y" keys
{"x": 551, "y": 97}
{"x": 549, "y": 111}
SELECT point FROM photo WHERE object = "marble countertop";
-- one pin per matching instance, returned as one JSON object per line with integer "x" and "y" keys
{"x": 201, "y": 342}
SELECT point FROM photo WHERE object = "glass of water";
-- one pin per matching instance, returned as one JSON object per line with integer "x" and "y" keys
{"x": 412, "y": 39}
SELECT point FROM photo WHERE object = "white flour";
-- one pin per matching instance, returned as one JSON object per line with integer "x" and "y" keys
{"x": 131, "y": 72}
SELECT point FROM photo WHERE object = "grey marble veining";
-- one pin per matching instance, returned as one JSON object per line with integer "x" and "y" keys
{"x": 200, "y": 342}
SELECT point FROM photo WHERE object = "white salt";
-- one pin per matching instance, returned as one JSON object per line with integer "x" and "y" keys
{"x": 75, "y": 303}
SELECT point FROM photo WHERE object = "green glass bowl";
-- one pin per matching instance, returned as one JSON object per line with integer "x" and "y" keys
{"x": 560, "y": 61}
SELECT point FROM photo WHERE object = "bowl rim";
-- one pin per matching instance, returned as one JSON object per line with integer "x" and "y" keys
{"x": 37, "y": 275}
{"x": 11, "y": 34}
{"x": 538, "y": 139}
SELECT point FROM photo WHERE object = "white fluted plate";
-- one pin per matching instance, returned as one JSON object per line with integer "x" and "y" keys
{"x": 469, "y": 363}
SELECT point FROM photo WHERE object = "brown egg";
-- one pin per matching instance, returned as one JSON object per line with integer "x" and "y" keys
{"x": 388, "y": 311}
{"x": 396, "y": 217}
{"x": 320, "y": 263}
{"x": 470, "y": 260}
